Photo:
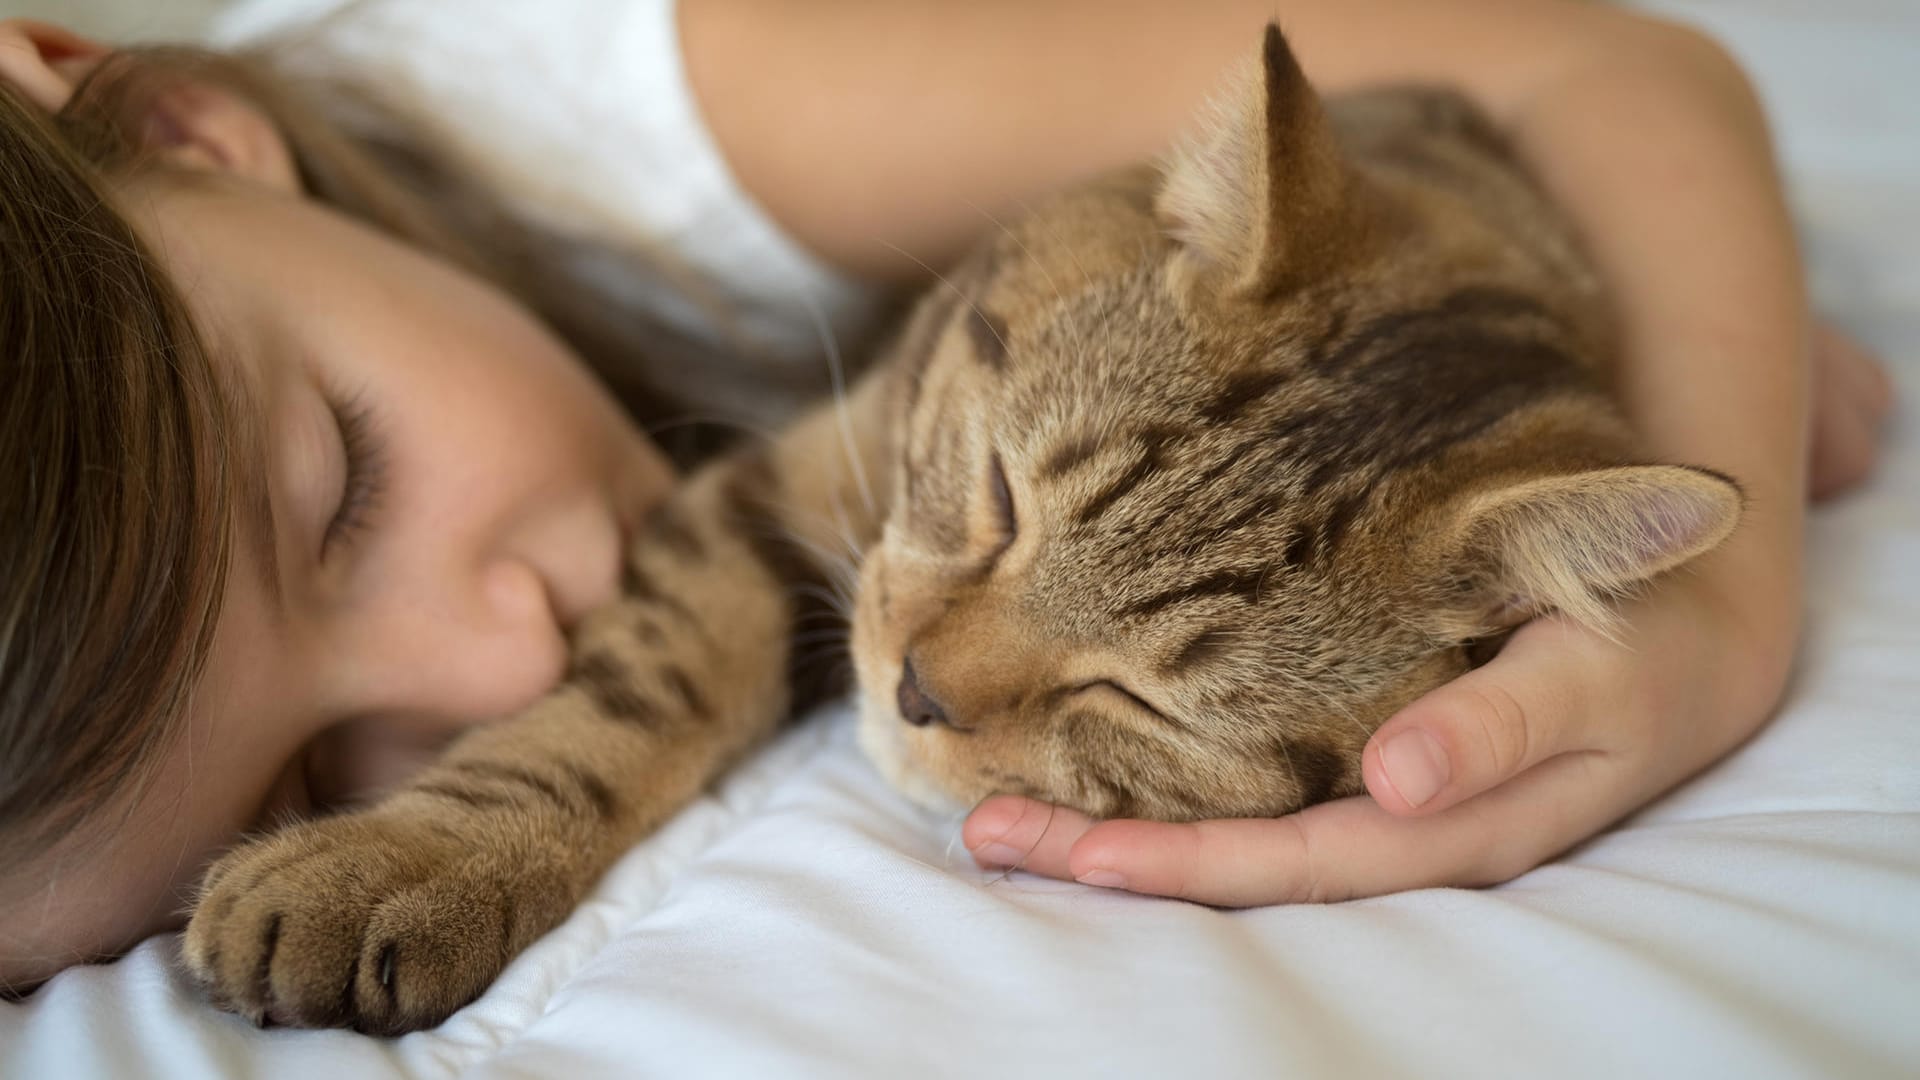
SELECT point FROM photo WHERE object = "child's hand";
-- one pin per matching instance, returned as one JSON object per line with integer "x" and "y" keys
{"x": 1558, "y": 737}
{"x": 1851, "y": 398}
{"x": 1562, "y": 734}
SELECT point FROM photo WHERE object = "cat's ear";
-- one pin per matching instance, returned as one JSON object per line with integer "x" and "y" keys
{"x": 1568, "y": 543}
{"x": 1258, "y": 191}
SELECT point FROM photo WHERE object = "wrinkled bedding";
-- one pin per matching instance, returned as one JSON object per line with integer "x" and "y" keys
{"x": 1761, "y": 921}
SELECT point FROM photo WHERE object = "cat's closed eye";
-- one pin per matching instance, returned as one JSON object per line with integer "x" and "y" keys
{"x": 1119, "y": 691}
{"x": 1003, "y": 503}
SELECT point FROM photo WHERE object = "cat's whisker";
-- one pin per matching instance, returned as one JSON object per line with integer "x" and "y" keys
{"x": 845, "y": 532}
{"x": 1326, "y": 698}
{"x": 953, "y": 841}
{"x": 688, "y": 419}
{"x": 843, "y": 415}
{"x": 806, "y": 660}
{"x": 824, "y": 640}
{"x": 828, "y": 611}
{"x": 825, "y": 596}
{"x": 830, "y": 594}
{"x": 947, "y": 282}
{"x": 842, "y": 572}
{"x": 824, "y": 524}
{"x": 1074, "y": 254}
{"x": 823, "y": 632}
{"x": 1406, "y": 622}
{"x": 838, "y": 591}
{"x": 1007, "y": 872}
{"x": 1065, "y": 308}
{"x": 840, "y": 674}
{"x": 1293, "y": 772}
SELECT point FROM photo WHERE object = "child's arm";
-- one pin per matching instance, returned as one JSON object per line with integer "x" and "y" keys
{"x": 868, "y": 126}
{"x": 915, "y": 116}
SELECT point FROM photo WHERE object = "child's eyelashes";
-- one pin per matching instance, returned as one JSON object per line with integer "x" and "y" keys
{"x": 365, "y": 470}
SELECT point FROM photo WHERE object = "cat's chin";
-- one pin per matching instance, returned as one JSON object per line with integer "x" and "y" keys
{"x": 882, "y": 739}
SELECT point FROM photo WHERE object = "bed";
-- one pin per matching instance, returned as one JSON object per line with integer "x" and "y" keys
{"x": 803, "y": 920}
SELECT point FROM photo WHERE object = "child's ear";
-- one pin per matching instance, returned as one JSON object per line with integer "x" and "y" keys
{"x": 202, "y": 126}
{"x": 189, "y": 123}
{"x": 1258, "y": 191}
{"x": 45, "y": 62}
{"x": 1568, "y": 543}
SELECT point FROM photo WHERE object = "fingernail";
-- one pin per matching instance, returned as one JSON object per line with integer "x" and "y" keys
{"x": 998, "y": 855}
{"x": 1416, "y": 765}
{"x": 1106, "y": 879}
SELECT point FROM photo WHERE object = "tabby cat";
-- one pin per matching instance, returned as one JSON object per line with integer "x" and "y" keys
{"x": 1168, "y": 497}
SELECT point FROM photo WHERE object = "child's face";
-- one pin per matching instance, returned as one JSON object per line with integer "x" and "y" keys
{"x": 369, "y": 622}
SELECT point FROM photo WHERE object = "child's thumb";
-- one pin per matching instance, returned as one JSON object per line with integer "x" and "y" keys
{"x": 1534, "y": 701}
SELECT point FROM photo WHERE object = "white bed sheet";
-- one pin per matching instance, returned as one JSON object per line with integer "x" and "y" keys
{"x": 1763, "y": 921}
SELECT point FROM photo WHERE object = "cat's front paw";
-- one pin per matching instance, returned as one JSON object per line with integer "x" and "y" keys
{"x": 380, "y": 921}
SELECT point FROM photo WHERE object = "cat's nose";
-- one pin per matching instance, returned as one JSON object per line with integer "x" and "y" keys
{"x": 916, "y": 706}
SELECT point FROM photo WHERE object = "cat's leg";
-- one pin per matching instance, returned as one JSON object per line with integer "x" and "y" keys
{"x": 391, "y": 917}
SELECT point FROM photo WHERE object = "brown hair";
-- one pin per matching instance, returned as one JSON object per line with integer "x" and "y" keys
{"x": 113, "y": 489}
{"x": 117, "y": 466}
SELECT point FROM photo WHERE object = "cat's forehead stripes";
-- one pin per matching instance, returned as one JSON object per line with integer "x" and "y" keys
{"x": 1244, "y": 582}
{"x": 1472, "y": 304}
{"x": 1309, "y": 436}
{"x": 1242, "y": 390}
{"x": 1207, "y": 646}
{"x": 1316, "y": 542}
{"x": 921, "y": 340}
{"x": 1411, "y": 402}
{"x": 1072, "y": 452}
{"x": 938, "y": 489}
{"x": 1153, "y": 442}
{"x": 961, "y": 289}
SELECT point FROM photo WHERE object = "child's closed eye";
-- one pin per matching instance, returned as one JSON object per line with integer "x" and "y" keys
{"x": 365, "y": 471}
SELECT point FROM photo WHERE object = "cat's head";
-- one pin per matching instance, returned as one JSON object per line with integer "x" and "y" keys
{"x": 1203, "y": 471}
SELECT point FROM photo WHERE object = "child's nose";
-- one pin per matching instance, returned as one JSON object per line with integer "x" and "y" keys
{"x": 468, "y": 647}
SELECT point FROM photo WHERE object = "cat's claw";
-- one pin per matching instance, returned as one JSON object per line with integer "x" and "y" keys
{"x": 376, "y": 922}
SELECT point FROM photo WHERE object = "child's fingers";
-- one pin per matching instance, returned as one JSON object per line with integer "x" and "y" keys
{"x": 1352, "y": 848}
{"x": 1860, "y": 370}
{"x": 1007, "y": 830}
{"x": 1844, "y": 443}
{"x": 1852, "y": 396}
{"x": 1541, "y": 697}
{"x": 1538, "y": 698}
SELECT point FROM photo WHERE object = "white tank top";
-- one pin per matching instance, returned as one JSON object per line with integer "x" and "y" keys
{"x": 579, "y": 114}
